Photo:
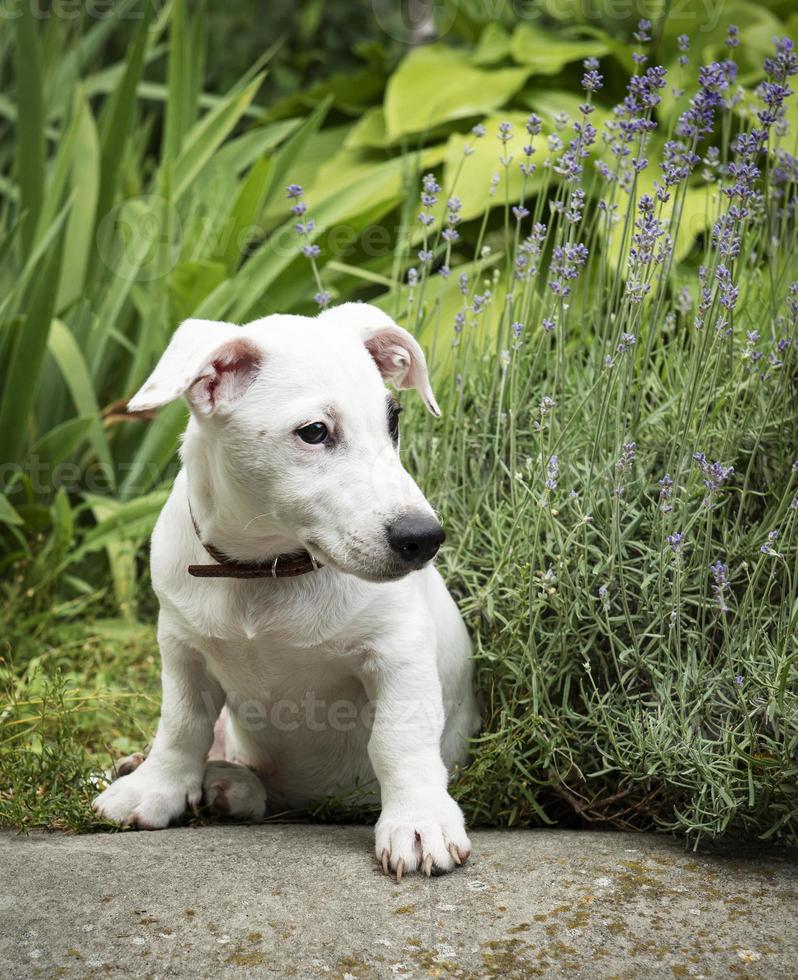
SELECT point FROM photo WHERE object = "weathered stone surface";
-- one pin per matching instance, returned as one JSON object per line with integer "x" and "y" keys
{"x": 308, "y": 901}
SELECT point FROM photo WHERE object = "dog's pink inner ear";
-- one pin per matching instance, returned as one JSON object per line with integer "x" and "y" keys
{"x": 400, "y": 360}
{"x": 226, "y": 376}
{"x": 393, "y": 360}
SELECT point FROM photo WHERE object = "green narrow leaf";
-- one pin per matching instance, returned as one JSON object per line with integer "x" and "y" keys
{"x": 7, "y": 513}
{"x": 61, "y": 441}
{"x": 85, "y": 185}
{"x": 118, "y": 116}
{"x": 156, "y": 450}
{"x": 178, "y": 79}
{"x": 244, "y": 213}
{"x": 209, "y": 133}
{"x": 72, "y": 364}
{"x": 20, "y": 385}
{"x": 30, "y": 125}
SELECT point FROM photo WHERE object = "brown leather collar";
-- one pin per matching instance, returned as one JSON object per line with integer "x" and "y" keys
{"x": 281, "y": 566}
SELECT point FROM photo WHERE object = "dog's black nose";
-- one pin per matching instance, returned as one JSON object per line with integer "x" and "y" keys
{"x": 415, "y": 538}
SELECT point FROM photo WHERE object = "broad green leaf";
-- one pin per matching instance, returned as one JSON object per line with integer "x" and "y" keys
{"x": 548, "y": 52}
{"x": 77, "y": 377}
{"x": 436, "y": 84}
{"x": 493, "y": 45}
{"x": 368, "y": 131}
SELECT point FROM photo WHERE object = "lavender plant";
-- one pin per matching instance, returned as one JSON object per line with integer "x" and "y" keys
{"x": 617, "y": 472}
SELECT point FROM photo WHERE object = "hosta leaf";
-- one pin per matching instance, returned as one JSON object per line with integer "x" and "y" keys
{"x": 493, "y": 45}
{"x": 436, "y": 84}
{"x": 546, "y": 52}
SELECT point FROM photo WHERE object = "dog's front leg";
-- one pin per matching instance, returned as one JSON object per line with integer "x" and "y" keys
{"x": 420, "y": 826}
{"x": 170, "y": 779}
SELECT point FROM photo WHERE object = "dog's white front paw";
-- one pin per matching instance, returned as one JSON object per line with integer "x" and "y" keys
{"x": 151, "y": 797}
{"x": 421, "y": 834}
{"x": 233, "y": 792}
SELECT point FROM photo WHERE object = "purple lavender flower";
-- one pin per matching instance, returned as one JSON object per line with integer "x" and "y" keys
{"x": 627, "y": 457}
{"x": 553, "y": 472}
{"x": 592, "y": 80}
{"x": 429, "y": 198}
{"x": 720, "y": 586}
{"x": 641, "y": 35}
{"x": 714, "y": 475}
{"x": 675, "y": 542}
{"x": 684, "y": 47}
{"x": 566, "y": 263}
{"x": 727, "y": 291}
{"x": 770, "y": 547}
{"x": 322, "y": 299}
{"x": 665, "y": 493}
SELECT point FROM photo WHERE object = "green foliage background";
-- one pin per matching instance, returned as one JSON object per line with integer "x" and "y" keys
{"x": 143, "y": 180}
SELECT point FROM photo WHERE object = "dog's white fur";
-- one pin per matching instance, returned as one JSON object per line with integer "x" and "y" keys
{"x": 330, "y": 678}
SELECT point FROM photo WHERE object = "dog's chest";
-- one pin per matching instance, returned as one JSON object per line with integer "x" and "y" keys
{"x": 312, "y": 613}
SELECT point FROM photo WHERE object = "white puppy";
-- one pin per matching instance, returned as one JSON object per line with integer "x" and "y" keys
{"x": 311, "y": 618}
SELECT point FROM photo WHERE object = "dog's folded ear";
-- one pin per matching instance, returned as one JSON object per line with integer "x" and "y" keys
{"x": 395, "y": 351}
{"x": 211, "y": 363}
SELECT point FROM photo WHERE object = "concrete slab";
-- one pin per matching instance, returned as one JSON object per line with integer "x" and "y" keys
{"x": 304, "y": 900}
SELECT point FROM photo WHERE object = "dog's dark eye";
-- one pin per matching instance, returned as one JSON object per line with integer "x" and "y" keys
{"x": 394, "y": 408}
{"x": 314, "y": 433}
